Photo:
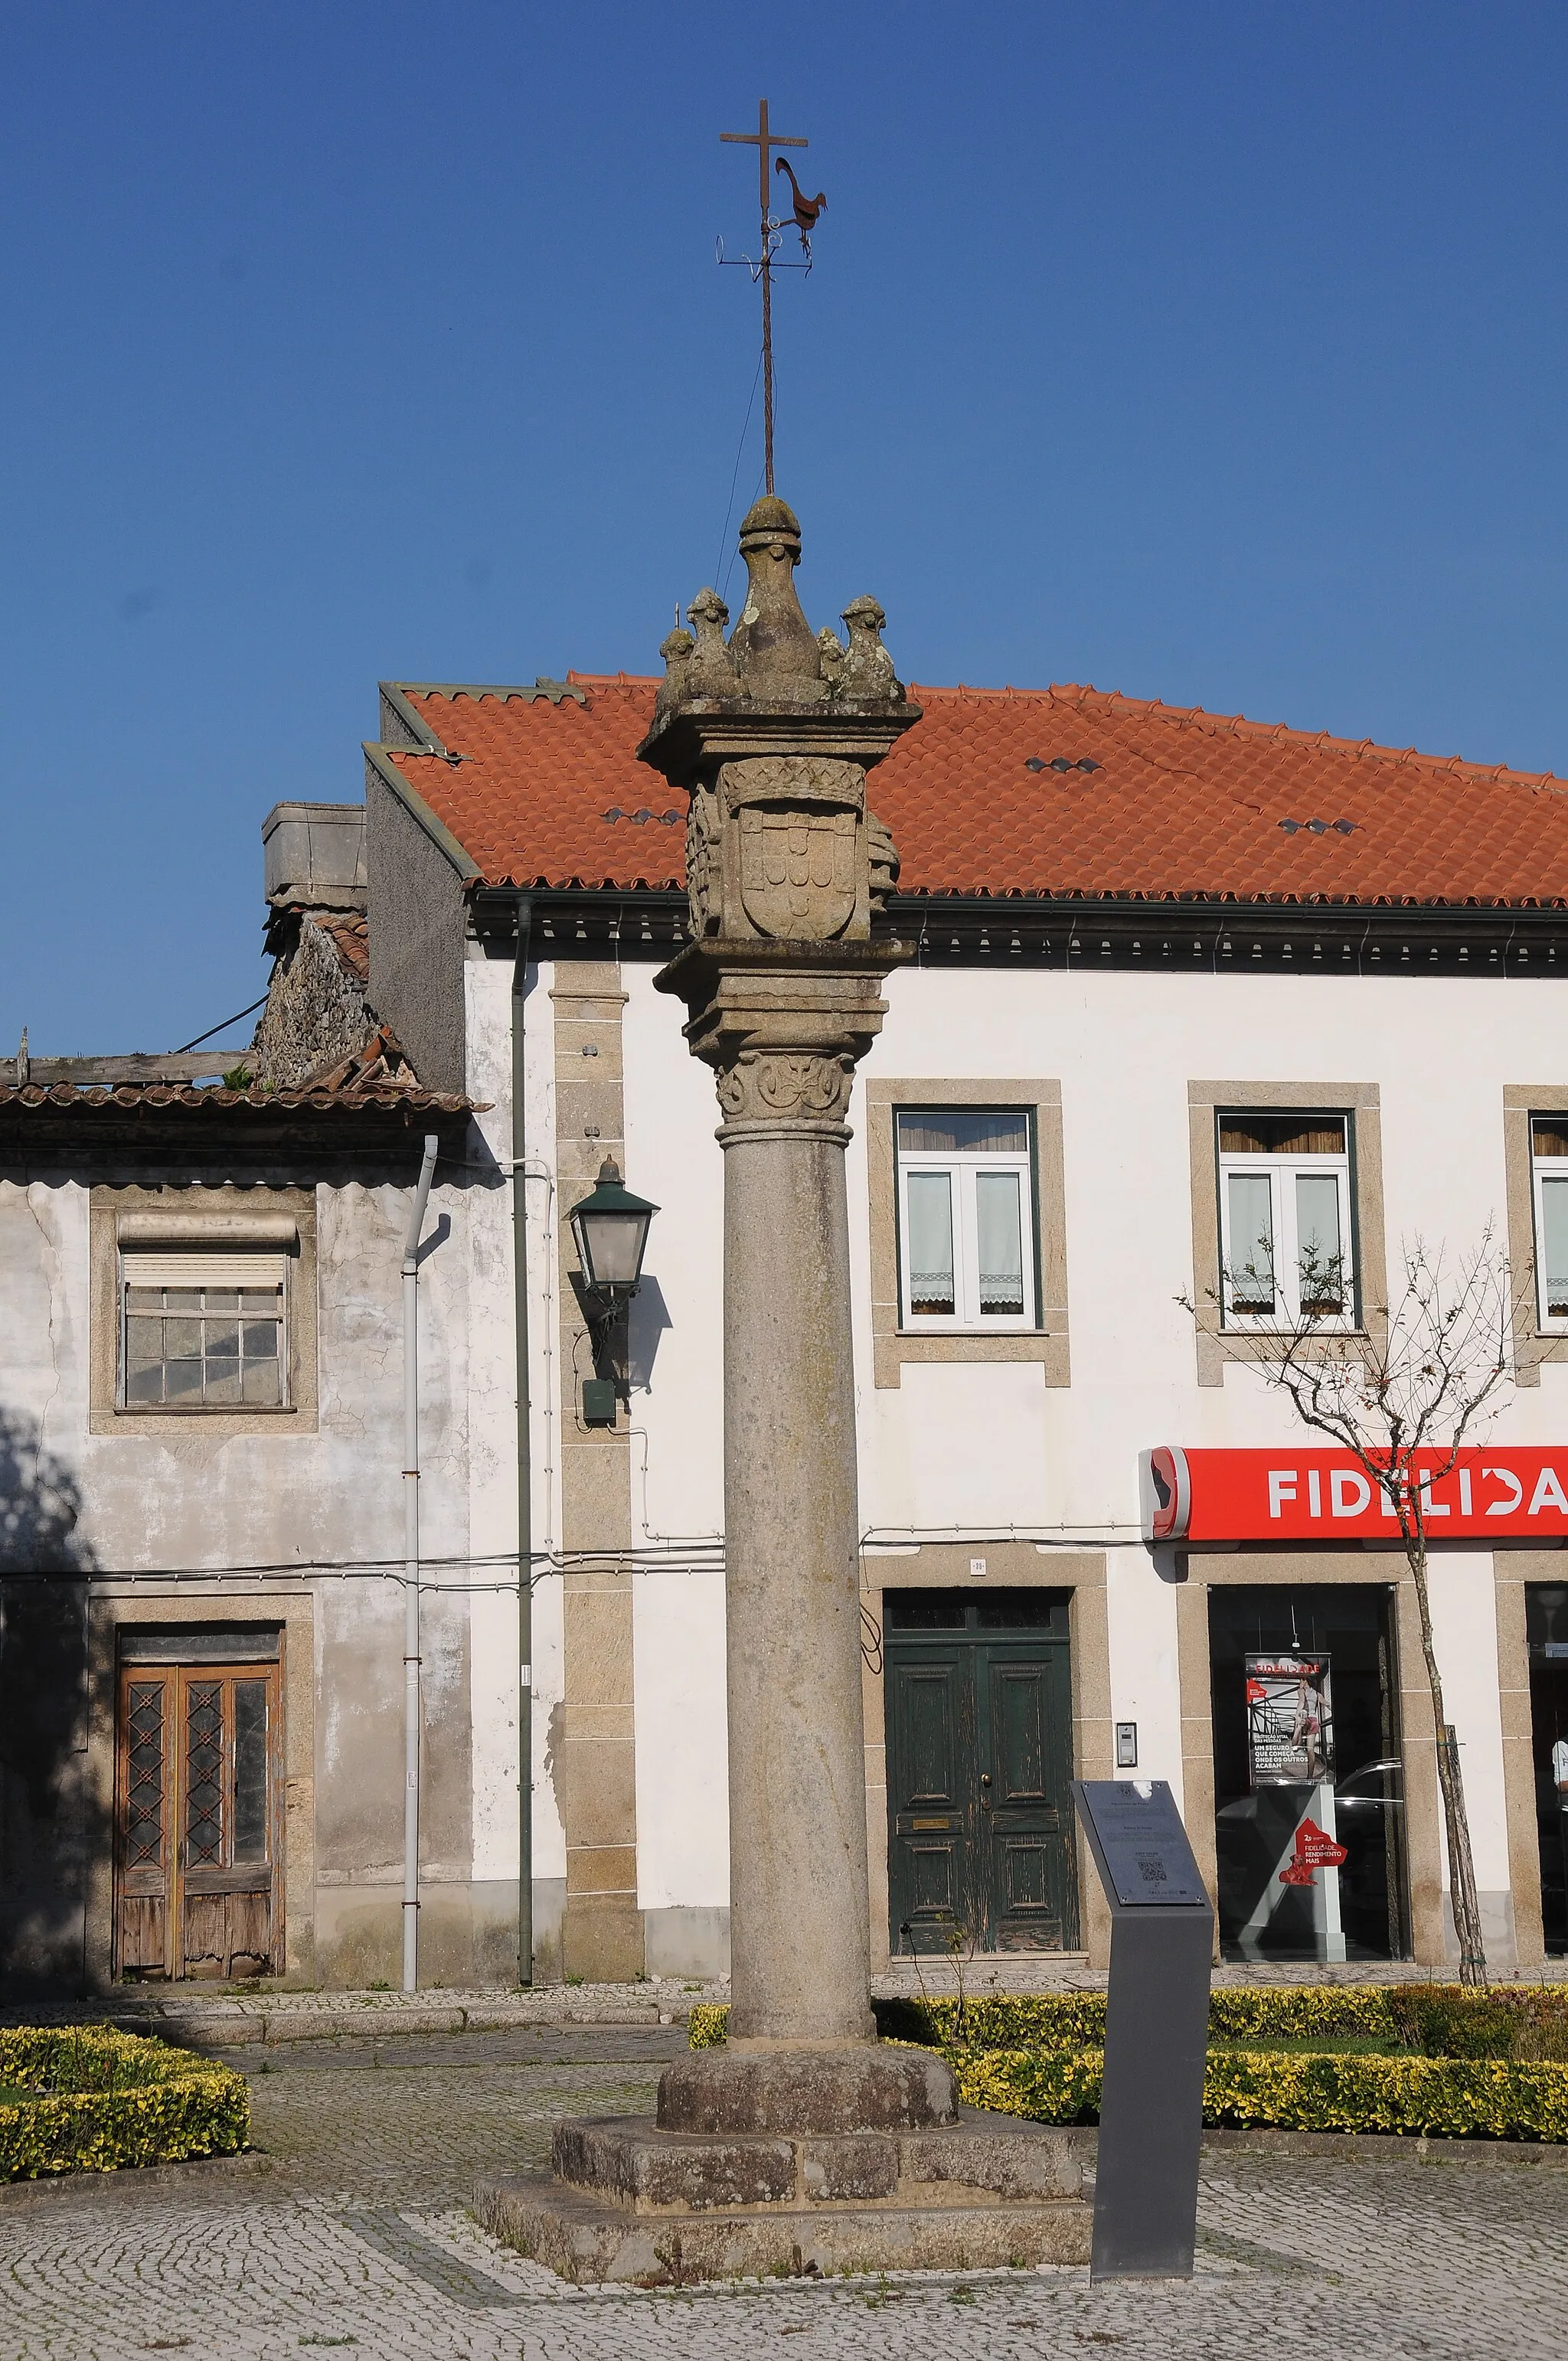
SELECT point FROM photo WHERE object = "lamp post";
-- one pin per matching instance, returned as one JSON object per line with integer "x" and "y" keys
{"x": 609, "y": 1227}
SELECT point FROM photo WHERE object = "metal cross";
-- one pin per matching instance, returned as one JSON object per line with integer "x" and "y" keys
{"x": 764, "y": 141}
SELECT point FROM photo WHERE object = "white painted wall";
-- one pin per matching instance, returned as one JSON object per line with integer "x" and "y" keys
{"x": 983, "y": 1447}
{"x": 180, "y": 1502}
{"x": 492, "y": 1434}
{"x": 677, "y": 1492}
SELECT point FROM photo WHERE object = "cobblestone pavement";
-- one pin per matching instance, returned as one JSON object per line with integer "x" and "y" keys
{"x": 348, "y": 2230}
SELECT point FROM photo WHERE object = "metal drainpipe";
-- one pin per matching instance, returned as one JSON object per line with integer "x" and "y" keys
{"x": 411, "y": 1569}
{"x": 524, "y": 1460}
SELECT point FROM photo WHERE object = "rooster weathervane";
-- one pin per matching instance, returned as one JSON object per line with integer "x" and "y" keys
{"x": 805, "y": 212}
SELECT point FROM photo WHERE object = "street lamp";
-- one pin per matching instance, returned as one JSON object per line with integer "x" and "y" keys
{"x": 610, "y": 1229}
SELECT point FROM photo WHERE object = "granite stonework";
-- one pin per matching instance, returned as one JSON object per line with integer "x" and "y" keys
{"x": 803, "y": 2142}
{"x": 630, "y": 2201}
{"x": 866, "y": 2086}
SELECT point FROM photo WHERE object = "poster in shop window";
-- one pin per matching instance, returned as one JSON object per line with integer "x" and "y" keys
{"x": 1290, "y": 1721}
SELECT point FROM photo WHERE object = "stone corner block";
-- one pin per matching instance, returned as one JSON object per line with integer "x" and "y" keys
{"x": 864, "y": 2087}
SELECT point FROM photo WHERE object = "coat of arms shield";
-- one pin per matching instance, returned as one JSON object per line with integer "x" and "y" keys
{"x": 798, "y": 870}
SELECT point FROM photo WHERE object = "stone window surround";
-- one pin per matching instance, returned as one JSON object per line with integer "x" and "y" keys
{"x": 1013, "y": 1566}
{"x": 892, "y": 1346}
{"x": 1362, "y": 1103}
{"x": 1532, "y": 1344}
{"x": 168, "y": 1604}
{"x": 217, "y": 1215}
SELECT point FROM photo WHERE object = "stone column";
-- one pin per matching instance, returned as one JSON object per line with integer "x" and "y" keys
{"x": 772, "y": 735}
{"x": 803, "y": 2142}
{"x": 799, "y": 1888}
{"x": 798, "y": 1903}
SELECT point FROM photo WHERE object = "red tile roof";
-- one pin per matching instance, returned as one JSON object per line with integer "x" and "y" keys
{"x": 1158, "y": 801}
{"x": 377, "y": 1076}
{"x": 316, "y": 1098}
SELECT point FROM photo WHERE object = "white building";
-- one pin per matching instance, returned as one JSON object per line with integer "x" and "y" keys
{"x": 1169, "y": 968}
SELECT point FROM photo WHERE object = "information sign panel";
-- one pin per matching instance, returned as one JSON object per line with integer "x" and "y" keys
{"x": 1144, "y": 1852}
{"x": 1156, "y": 2030}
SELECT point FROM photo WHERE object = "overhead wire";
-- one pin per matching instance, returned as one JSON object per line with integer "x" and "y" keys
{"x": 671, "y": 1555}
{"x": 223, "y": 1028}
{"x": 740, "y": 453}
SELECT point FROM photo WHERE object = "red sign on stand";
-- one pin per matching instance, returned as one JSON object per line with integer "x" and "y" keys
{"x": 1315, "y": 1849}
{"x": 1490, "y": 1494}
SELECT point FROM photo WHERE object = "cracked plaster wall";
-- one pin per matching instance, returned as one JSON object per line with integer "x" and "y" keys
{"x": 145, "y": 1502}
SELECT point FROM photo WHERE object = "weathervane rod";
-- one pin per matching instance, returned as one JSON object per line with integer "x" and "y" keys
{"x": 764, "y": 141}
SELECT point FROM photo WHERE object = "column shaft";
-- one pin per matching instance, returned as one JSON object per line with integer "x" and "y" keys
{"x": 797, "y": 1808}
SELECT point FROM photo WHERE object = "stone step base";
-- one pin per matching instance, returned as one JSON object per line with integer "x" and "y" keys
{"x": 627, "y": 2162}
{"x": 580, "y": 2236}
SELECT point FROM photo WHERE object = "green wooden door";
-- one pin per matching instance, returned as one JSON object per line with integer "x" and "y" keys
{"x": 980, "y": 1758}
{"x": 1024, "y": 1826}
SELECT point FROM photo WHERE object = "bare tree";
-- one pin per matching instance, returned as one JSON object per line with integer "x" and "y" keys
{"x": 1424, "y": 1381}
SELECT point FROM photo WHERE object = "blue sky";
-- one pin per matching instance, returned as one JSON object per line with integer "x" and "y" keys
{"x": 1210, "y": 353}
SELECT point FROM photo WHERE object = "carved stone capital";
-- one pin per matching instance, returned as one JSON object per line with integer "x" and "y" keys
{"x": 763, "y": 1084}
{"x": 782, "y": 1025}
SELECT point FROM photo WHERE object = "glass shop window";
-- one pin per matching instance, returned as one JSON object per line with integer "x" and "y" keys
{"x": 1285, "y": 1221}
{"x": 203, "y": 1331}
{"x": 1308, "y": 1772}
{"x": 966, "y": 1219}
{"x": 1546, "y": 1631}
{"x": 1549, "y": 1161}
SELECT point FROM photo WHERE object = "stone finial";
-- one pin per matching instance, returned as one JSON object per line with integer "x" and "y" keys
{"x": 831, "y": 648}
{"x": 866, "y": 675}
{"x": 677, "y": 649}
{"x": 775, "y": 654}
{"x": 710, "y": 671}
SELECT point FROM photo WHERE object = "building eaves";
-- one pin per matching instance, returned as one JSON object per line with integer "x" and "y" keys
{"x": 318, "y": 1098}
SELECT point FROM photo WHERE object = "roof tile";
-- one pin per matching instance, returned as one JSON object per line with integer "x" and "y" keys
{"x": 1179, "y": 803}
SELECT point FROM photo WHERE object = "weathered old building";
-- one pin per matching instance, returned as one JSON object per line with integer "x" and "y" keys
{"x": 201, "y": 1457}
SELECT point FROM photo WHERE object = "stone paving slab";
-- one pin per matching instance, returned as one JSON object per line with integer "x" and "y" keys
{"x": 230, "y": 2018}
{"x": 536, "y": 2045}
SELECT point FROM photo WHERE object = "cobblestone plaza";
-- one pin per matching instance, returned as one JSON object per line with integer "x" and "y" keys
{"x": 348, "y": 2228}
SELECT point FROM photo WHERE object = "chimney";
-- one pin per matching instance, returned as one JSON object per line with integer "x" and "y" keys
{"x": 315, "y": 855}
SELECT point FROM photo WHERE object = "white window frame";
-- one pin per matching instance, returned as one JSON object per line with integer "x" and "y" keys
{"x": 1281, "y": 1172}
{"x": 964, "y": 1165}
{"x": 1543, "y": 1169}
{"x": 221, "y": 1266}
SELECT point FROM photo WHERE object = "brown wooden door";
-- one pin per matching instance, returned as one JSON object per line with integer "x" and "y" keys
{"x": 199, "y": 1821}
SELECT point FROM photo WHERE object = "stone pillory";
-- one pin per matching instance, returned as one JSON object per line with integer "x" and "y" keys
{"x": 772, "y": 738}
{"x": 803, "y": 2136}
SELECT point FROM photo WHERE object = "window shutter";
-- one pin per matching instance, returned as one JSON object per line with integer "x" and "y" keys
{"x": 196, "y": 1267}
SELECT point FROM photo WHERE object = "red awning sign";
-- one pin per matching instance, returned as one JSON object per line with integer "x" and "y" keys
{"x": 1490, "y": 1494}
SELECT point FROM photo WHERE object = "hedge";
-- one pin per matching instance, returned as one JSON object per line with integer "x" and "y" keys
{"x": 1487, "y": 2064}
{"x": 1450, "y": 2098}
{"x": 105, "y": 2100}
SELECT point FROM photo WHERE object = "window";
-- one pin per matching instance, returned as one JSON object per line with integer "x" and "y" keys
{"x": 966, "y": 1215}
{"x": 1549, "y": 1160}
{"x": 202, "y": 1330}
{"x": 1285, "y": 1231}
